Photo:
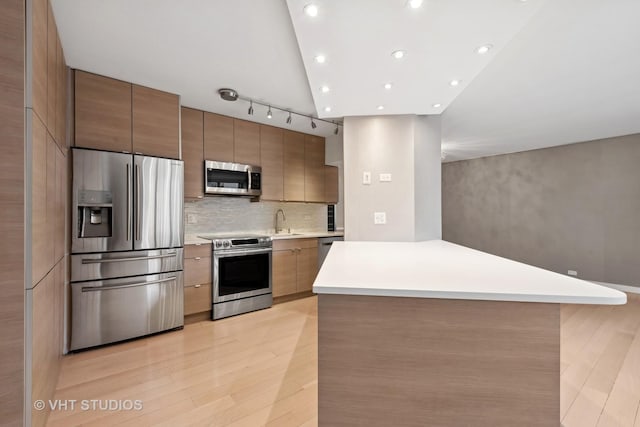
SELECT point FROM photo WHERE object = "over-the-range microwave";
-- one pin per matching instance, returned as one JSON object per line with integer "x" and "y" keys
{"x": 232, "y": 179}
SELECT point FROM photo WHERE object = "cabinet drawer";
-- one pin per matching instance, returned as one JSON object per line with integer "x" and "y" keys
{"x": 197, "y": 271}
{"x": 194, "y": 251}
{"x": 197, "y": 299}
{"x": 284, "y": 244}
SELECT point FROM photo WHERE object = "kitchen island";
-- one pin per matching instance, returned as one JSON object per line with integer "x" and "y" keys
{"x": 433, "y": 333}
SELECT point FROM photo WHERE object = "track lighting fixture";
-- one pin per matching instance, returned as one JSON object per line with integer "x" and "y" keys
{"x": 231, "y": 95}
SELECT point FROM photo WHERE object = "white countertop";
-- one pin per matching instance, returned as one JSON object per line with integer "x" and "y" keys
{"x": 193, "y": 239}
{"x": 439, "y": 269}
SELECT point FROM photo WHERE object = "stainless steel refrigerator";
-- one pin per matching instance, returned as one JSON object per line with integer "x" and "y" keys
{"x": 127, "y": 247}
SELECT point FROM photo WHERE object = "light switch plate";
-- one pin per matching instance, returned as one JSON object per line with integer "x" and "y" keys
{"x": 385, "y": 177}
{"x": 366, "y": 178}
{"x": 379, "y": 218}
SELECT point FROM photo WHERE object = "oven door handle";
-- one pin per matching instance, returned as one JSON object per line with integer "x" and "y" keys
{"x": 222, "y": 254}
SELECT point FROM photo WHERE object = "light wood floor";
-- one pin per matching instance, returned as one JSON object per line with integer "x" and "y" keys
{"x": 261, "y": 369}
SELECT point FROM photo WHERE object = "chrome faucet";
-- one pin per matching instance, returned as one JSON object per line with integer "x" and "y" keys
{"x": 284, "y": 218}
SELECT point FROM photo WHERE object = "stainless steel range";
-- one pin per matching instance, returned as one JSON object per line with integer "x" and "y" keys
{"x": 241, "y": 273}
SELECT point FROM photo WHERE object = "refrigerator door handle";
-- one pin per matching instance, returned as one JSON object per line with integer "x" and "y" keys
{"x": 128, "y": 202}
{"x": 137, "y": 202}
{"x": 132, "y": 285}
{"x": 139, "y": 258}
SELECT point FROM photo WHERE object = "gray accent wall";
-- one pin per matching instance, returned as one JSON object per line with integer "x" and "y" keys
{"x": 572, "y": 207}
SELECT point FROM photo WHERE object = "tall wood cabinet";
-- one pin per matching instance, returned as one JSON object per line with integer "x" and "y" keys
{"x": 192, "y": 152}
{"x": 314, "y": 169}
{"x": 331, "y": 184}
{"x": 272, "y": 162}
{"x": 294, "y": 163}
{"x": 117, "y": 116}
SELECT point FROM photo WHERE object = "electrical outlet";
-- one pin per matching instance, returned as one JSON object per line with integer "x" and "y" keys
{"x": 192, "y": 219}
{"x": 572, "y": 273}
{"x": 379, "y": 217}
{"x": 366, "y": 178}
{"x": 385, "y": 177}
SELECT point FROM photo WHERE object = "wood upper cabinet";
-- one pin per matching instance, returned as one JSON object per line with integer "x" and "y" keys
{"x": 272, "y": 162}
{"x": 218, "y": 137}
{"x": 61, "y": 100}
{"x": 295, "y": 265}
{"x": 331, "y": 184}
{"x": 246, "y": 142}
{"x": 294, "y": 166}
{"x": 156, "y": 122}
{"x": 52, "y": 71}
{"x": 102, "y": 113}
{"x": 313, "y": 169}
{"x": 192, "y": 152}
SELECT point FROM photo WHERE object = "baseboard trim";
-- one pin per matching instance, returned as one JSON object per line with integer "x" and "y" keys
{"x": 623, "y": 288}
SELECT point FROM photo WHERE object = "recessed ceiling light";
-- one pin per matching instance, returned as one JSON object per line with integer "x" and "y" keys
{"x": 320, "y": 59}
{"x": 398, "y": 54}
{"x": 380, "y": 107}
{"x": 454, "y": 82}
{"x": 414, "y": 4}
{"x": 324, "y": 89}
{"x": 387, "y": 85}
{"x": 311, "y": 10}
{"x": 484, "y": 49}
{"x": 437, "y": 105}
{"x": 327, "y": 109}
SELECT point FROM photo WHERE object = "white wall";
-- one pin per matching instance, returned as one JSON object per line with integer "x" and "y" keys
{"x": 380, "y": 144}
{"x": 428, "y": 188}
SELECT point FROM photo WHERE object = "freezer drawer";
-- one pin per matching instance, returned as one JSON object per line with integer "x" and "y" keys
{"x": 108, "y": 311}
{"x": 110, "y": 265}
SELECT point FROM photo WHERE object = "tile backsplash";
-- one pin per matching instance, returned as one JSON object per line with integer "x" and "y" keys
{"x": 231, "y": 214}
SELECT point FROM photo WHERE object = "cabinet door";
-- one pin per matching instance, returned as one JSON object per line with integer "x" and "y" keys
{"x": 294, "y": 163}
{"x": 284, "y": 276}
{"x": 156, "y": 123}
{"x": 197, "y": 271}
{"x": 271, "y": 157}
{"x": 313, "y": 169}
{"x": 197, "y": 299}
{"x": 61, "y": 100}
{"x": 52, "y": 71}
{"x": 193, "y": 153}
{"x": 60, "y": 205}
{"x": 331, "y": 184}
{"x": 39, "y": 58}
{"x": 103, "y": 113}
{"x": 246, "y": 142}
{"x": 218, "y": 137}
{"x": 307, "y": 266}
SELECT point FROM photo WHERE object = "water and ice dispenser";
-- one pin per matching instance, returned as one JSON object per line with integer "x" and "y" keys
{"x": 95, "y": 213}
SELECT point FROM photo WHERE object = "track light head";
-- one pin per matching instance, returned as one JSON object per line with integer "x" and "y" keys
{"x": 269, "y": 115}
{"x": 289, "y": 118}
{"x": 250, "y": 108}
{"x": 313, "y": 124}
{"x": 336, "y": 130}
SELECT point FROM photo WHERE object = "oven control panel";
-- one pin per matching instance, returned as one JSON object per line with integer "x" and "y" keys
{"x": 241, "y": 242}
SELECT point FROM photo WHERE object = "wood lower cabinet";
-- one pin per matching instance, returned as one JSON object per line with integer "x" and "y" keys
{"x": 272, "y": 162}
{"x": 193, "y": 152}
{"x": 218, "y": 137}
{"x": 102, "y": 113}
{"x": 331, "y": 192}
{"x": 197, "y": 278}
{"x": 294, "y": 164}
{"x": 313, "y": 168}
{"x": 246, "y": 142}
{"x": 294, "y": 266}
{"x": 155, "y": 122}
